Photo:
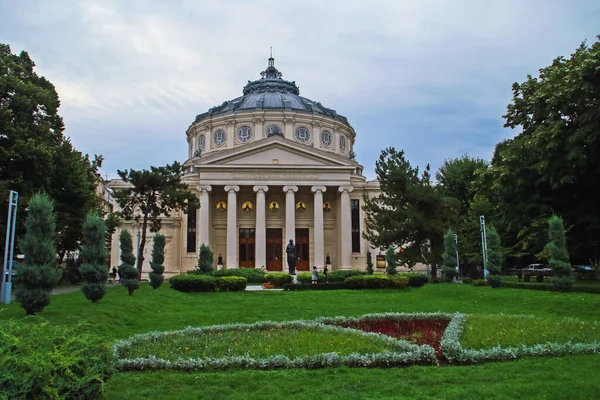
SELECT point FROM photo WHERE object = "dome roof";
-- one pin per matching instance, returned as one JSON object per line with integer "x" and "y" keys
{"x": 271, "y": 92}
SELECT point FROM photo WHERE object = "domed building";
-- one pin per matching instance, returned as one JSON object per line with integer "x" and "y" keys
{"x": 268, "y": 167}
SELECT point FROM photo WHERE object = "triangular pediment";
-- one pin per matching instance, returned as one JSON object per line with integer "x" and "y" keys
{"x": 275, "y": 151}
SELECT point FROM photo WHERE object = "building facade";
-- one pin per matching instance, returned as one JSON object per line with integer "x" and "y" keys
{"x": 268, "y": 167}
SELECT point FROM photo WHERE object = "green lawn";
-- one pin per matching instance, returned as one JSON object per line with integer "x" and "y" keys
{"x": 120, "y": 316}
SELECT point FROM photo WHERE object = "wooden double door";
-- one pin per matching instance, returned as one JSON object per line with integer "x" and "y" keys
{"x": 274, "y": 250}
{"x": 276, "y": 256}
{"x": 302, "y": 251}
{"x": 247, "y": 247}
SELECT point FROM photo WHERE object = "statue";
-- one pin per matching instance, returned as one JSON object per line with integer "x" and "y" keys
{"x": 328, "y": 260}
{"x": 291, "y": 257}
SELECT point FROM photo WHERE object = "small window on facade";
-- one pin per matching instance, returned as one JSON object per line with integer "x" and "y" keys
{"x": 191, "y": 229}
{"x": 355, "y": 215}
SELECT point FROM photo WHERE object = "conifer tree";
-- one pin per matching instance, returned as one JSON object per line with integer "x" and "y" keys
{"x": 205, "y": 260}
{"x": 369, "y": 263}
{"x": 390, "y": 257}
{"x": 158, "y": 258}
{"x": 127, "y": 269}
{"x": 94, "y": 270}
{"x": 495, "y": 257}
{"x": 39, "y": 275}
{"x": 556, "y": 249}
{"x": 449, "y": 260}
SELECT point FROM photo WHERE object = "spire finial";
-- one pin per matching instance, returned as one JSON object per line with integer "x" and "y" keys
{"x": 271, "y": 59}
{"x": 271, "y": 51}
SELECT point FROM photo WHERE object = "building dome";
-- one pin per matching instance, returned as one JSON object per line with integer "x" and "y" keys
{"x": 271, "y": 92}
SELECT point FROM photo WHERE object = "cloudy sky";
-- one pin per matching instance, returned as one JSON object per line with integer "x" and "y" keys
{"x": 431, "y": 77}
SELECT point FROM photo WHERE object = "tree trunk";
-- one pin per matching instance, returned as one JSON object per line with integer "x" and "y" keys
{"x": 140, "y": 260}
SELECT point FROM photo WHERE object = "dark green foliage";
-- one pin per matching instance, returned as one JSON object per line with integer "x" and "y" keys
{"x": 467, "y": 281}
{"x": 551, "y": 287}
{"x": 527, "y": 278}
{"x": 278, "y": 279}
{"x": 322, "y": 286}
{"x": 252, "y": 275}
{"x": 399, "y": 281}
{"x": 158, "y": 258}
{"x": 93, "y": 251}
{"x": 480, "y": 282}
{"x": 231, "y": 284}
{"x": 341, "y": 275}
{"x": 43, "y": 361}
{"x": 417, "y": 280}
{"x": 306, "y": 277}
{"x": 369, "y": 263}
{"x": 457, "y": 178}
{"x": 193, "y": 283}
{"x": 369, "y": 282}
{"x": 127, "y": 271}
{"x": 390, "y": 258}
{"x": 495, "y": 258}
{"x": 539, "y": 278}
{"x": 556, "y": 249}
{"x": 39, "y": 275}
{"x": 71, "y": 272}
{"x": 205, "y": 260}
{"x": 449, "y": 261}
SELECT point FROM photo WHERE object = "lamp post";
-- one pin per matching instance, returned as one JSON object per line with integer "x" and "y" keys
{"x": 138, "y": 252}
{"x": 483, "y": 243}
{"x": 457, "y": 263}
{"x": 9, "y": 248}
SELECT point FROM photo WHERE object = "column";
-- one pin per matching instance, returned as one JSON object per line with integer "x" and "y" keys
{"x": 345, "y": 254}
{"x": 232, "y": 233}
{"x": 290, "y": 214}
{"x": 260, "y": 248}
{"x": 203, "y": 223}
{"x": 319, "y": 230}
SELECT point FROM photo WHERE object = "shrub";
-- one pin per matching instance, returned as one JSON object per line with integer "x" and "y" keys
{"x": 158, "y": 258}
{"x": 539, "y": 278}
{"x": 559, "y": 257}
{"x": 231, "y": 283}
{"x": 128, "y": 272}
{"x": 39, "y": 275}
{"x": 520, "y": 276}
{"x": 368, "y": 282}
{"x": 205, "y": 260}
{"x": 562, "y": 283}
{"x": 527, "y": 278}
{"x": 252, "y": 275}
{"x": 467, "y": 281}
{"x": 479, "y": 282}
{"x": 434, "y": 280}
{"x": 278, "y": 279}
{"x": 416, "y": 280}
{"x": 341, "y": 275}
{"x": 194, "y": 283}
{"x": 94, "y": 253}
{"x": 400, "y": 281}
{"x": 44, "y": 361}
{"x": 369, "y": 264}
{"x": 494, "y": 280}
{"x": 71, "y": 271}
{"x": 449, "y": 260}
{"x": 306, "y": 277}
{"x": 390, "y": 258}
{"x": 324, "y": 286}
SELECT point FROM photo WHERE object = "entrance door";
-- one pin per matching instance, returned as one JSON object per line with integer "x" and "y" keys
{"x": 247, "y": 248}
{"x": 274, "y": 262}
{"x": 302, "y": 247}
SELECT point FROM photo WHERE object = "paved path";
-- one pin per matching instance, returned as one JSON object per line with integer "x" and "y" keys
{"x": 254, "y": 288}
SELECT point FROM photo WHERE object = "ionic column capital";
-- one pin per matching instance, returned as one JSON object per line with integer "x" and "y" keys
{"x": 265, "y": 189}
{"x": 348, "y": 189}
{"x": 203, "y": 188}
{"x": 288, "y": 188}
{"x": 315, "y": 189}
{"x": 230, "y": 188}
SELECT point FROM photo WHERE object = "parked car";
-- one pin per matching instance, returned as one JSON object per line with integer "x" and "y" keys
{"x": 537, "y": 269}
{"x": 582, "y": 268}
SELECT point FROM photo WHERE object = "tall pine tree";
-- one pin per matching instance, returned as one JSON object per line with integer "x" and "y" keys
{"x": 390, "y": 258}
{"x": 158, "y": 258}
{"x": 556, "y": 249}
{"x": 94, "y": 269}
{"x": 495, "y": 257}
{"x": 126, "y": 269}
{"x": 449, "y": 261}
{"x": 205, "y": 260}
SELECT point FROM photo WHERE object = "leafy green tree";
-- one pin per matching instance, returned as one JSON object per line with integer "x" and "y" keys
{"x": 449, "y": 261}
{"x": 158, "y": 258}
{"x": 470, "y": 243}
{"x": 93, "y": 251}
{"x": 457, "y": 178}
{"x": 205, "y": 260}
{"x": 495, "y": 257}
{"x": 369, "y": 263}
{"x": 36, "y": 156}
{"x": 126, "y": 269}
{"x": 390, "y": 258}
{"x": 556, "y": 248}
{"x": 409, "y": 213}
{"x": 149, "y": 195}
{"x": 39, "y": 275}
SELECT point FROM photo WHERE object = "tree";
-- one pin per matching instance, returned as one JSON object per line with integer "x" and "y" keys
{"x": 93, "y": 251}
{"x": 409, "y": 213}
{"x": 457, "y": 178}
{"x": 556, "y": 248}
{"x": 390, "y": 258}
{"x": 126, "y": 269}
{"x": 151, "y": 195}
{"x": 36, "y": 156}
{"x": 369, "y": 263}
{"x": 158, "y": 258}
{"x": 495, "y": 257}
{"x": 449, "y": 261}
{"x": 470, "y": 229}
{"x": 205, "y": 260}
{"x": 39, "y": 275}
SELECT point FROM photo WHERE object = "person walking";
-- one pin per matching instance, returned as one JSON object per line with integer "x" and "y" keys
{"x": 315, "y": 276}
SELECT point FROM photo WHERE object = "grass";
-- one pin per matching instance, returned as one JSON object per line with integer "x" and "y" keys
{"x": 578, "y": 282}
{"x": 120, "y": 316}
{"x": 285, "y": 341}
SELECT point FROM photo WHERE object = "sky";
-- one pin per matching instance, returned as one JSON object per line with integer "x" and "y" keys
{"x": 430, "y": 77}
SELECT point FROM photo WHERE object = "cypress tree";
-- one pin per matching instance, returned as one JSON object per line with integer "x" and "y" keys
{"x": 390, "y": 257}
{"x": 39, "y": 275}
{"x": 94, "y": 270}
{"x": 449, "y": 260}
{"x": 369, "y": 263}
{"x": 158, "y": 258}
{"x": 556, "y": 249}
{"x": 205, "y": 260}
{"x": 495, "y": 257}
{"x": 127, "y": 269}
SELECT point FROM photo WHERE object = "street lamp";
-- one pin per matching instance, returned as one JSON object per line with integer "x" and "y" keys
{"x": 456, "y": 241}
{"x": 484, "y": 249}
{"x": 9, "y": 248}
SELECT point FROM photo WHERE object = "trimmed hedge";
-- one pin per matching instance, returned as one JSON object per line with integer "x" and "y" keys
{"x": 320, "y": 286}
{"x": 231, "y": 283}
{"x": 44, "y": 361}
{"x": 341, "y": 275}
{"x": 480, "y": 282}
{"x": 550, "y": 287}
{"x": 252, "y": 275}
{"x": 416, "y": 280}
{"x": 368, "y": 282}
{"x": 306, "y": 277}
{"x": 278, "y": 279}
{"x": 467, "y": 281}
{"x": 399, "y": 282}
{"x": 194, "y": 283}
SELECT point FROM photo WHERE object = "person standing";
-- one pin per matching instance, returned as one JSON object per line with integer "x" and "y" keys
{"x": 315, "y": 276}
{"x": 326, "y": 273}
